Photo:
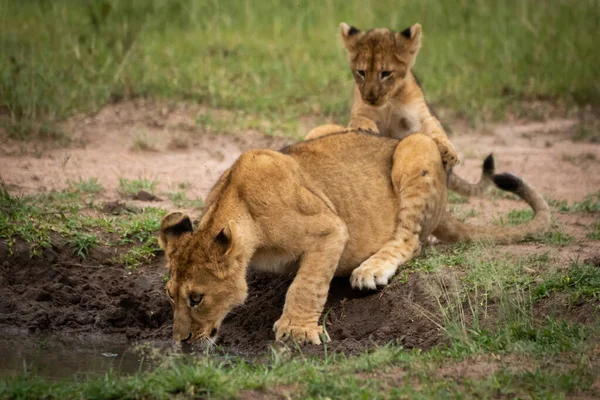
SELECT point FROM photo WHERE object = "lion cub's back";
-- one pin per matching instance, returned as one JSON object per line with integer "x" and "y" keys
{"x": 354, "y": 172}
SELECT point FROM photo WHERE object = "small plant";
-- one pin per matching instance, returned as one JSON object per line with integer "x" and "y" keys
{"x": 137, "y": 255}
{"x": 591, "y": 204}
{"x": 20, "y": 218}
{"x": 455, "y": 198}
{"x": 129, "y": 187}
{"x": 142, "y": 143}
{"x": 180, "y": 200}
{"x": 166, "y": 276}
{"x": 82, "y": 243}
{"x": 594, "y": 233}
{"x": 555, "y": 237}
{"x": 434, "y": 259}
{"x": 89, "y": 186}
{"x": 515, "y": 217}
{"x": 580, "y": 281}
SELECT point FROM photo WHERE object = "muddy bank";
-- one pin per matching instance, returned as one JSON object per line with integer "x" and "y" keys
{"x": 57, "y": 293}
{"x": 54, "y": 293}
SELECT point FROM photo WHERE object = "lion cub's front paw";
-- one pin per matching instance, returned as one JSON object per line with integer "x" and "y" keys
{"x": 286, "y": 329}
{"x": 365, "y": 125}
{"x": 372, "y": 273}
{"x": 448, "y": 153}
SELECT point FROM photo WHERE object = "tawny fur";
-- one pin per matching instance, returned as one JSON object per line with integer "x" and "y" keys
{"x": 319, "y": 208}
{"x": 387, "y": 97}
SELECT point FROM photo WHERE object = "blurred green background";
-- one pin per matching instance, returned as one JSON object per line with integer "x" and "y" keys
{"x": 280, "y": 60}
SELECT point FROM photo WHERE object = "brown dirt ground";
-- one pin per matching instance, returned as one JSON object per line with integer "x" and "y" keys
{"x": 55, "y": 293}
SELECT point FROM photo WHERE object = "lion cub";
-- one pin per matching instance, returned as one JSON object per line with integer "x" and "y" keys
{"x": 388, "y": 99}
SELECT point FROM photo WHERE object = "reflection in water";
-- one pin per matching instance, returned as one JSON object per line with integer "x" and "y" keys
{"x": 60, "y": 358}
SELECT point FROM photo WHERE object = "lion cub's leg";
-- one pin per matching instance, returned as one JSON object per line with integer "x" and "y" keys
{"x": 323, "y": 130}
{"x": 433, "y": 128}
{"x": 322, "y": 244}
{"x": 418, "y": 178}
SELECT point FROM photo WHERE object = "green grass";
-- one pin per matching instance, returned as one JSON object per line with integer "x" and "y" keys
{"x": 434, "y": 259}
{"x": 82, "y": 243}
{"x": 579, "y": 281}
{"x": 129, "y": 187}
{"x": 403, "y": 374}
{"x": 591, "y": 204}
{"x": 180, "y": 200}
{"x": 33, "y": 219}
{"x": 556, "y": 236}
{"x": 515, "y": 217}
{"x": 89, "y": 186}
{"x": 272, "y": 62}
{"x": 455, "y": 198}
{"x": 21, "y": 218}
{"x": 594, "y": 232}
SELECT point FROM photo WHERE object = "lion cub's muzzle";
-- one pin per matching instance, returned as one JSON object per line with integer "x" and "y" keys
{"x": 200, "y": 335}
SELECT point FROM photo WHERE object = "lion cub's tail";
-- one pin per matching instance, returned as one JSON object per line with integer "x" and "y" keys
{"x": 460, "y": 186}
{"x": 451, "y": 229}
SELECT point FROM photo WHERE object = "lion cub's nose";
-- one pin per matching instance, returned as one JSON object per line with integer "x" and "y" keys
{"x": 372, "y": 99}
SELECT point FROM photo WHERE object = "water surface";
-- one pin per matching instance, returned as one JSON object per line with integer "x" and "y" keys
{"x": 72, "y": 358}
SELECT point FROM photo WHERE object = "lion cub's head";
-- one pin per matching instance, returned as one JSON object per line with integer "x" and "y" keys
{"x": 380, "y": 59}
{"x": 207, "y": 278}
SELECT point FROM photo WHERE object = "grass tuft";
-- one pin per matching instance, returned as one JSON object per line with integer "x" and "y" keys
{"x": 579, "y": 281}
{"x": 82, "y": 243}
{"x": 129, "y": 187}
{"x": 89, "y": 186}
{"x": 591, "y": 204}
{"x": 180, "y": 200}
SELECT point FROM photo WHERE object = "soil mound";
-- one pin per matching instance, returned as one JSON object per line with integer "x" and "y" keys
{"x": 54, "y": 294}
{"x": 355, "y": 320}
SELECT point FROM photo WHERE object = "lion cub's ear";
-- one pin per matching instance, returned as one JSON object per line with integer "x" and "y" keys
{"x": 410, "y": 38}
{"x": 349, "y": 36}
{"x": 230, "y": 241}
{"x": 408, "y": 43}
{"x": 412, "y": 32}
{"x": 172, "y": 226}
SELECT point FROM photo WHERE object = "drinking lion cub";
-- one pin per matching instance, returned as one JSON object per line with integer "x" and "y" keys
{"x": 319, "y": 208}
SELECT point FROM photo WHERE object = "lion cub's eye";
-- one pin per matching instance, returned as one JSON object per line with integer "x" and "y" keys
{"x": 385, "y": 74}
{"x": 361, "y": 73}
{"x": 195, "y": 299}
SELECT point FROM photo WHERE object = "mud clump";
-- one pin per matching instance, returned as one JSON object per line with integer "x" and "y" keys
{"x": 355, "y": 321}
{"x": 55, "y": 293}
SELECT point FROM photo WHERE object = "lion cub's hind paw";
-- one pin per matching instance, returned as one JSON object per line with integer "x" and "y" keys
{"x": 285, "y": 330}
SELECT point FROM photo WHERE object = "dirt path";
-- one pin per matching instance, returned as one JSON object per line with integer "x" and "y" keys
{"x": 165, "y": 144}
{"x": 131, "y": 141}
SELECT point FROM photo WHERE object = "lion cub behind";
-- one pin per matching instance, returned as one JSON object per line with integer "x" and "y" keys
{"x": 388, "y": 99}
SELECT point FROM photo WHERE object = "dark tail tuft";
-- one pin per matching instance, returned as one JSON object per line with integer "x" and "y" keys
{"x": 489, "y": 165}
{"x": 508, "y": 182}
